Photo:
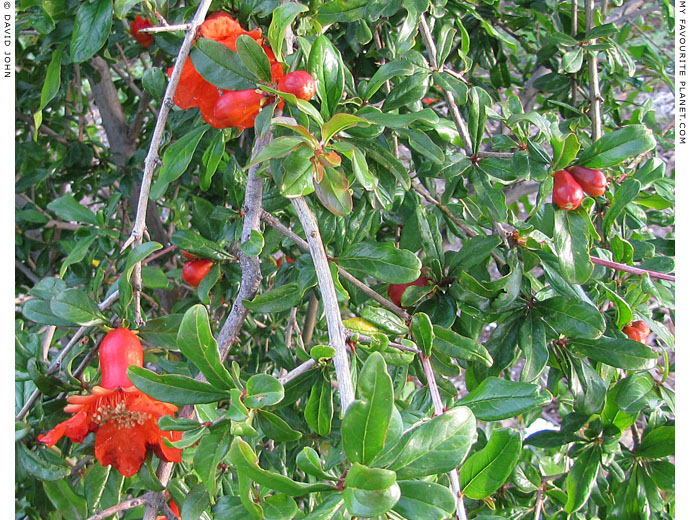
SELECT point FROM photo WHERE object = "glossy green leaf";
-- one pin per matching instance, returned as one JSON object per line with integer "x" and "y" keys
{"x": 636, "y": 392}
{"x": 65, "y": 500}
{"x": 221, "y": 66}
{"x": 476, "y": 123}
{"x": 253, "y": 247}
{"x": 309, "y": 462}
{"x": 38, "y": 466}
{"x": 51, "y": 87}
{"x": 658, "y": 443}
{"x": 616, "y": 352}
{"x": 426, "y": 500}
{"x": 279, "y": 299}
{"x": 571, "y": 238}
{"x": 174, "y": 388}
{"x": 572, "y": 318}
{"x": 366, "y": 419}
{"x": 423, "y": 332}
{"x": 410, "y": 89}
{"x": 176, "y": 159}
{"x": 297, "y": 178}
{"x": 195, "y": 340}
{"x": 194, "y": 243}
{"x": 334, "y": 191}
{"x": 253, "y": 57}
{"x": 617, "y": 146}
{"x": 211, "y": 160}
{"x": 370, "y": 491}
{"x": 263, "y": 390}
{"x": 75, "y": 306}
{"x": 564, "y": 151}
{"x": 625, "y": 193}
{"x": 581, "y": 478}
{"x": 195, "y": 503}
{"x": 325, "y": 65}
{"x": 283, "y": 16}
{"x": 247, "y": 463}
{"x": 276, "y": 428}
{"x": 487, "y": 469}
{"x": 318, "y": 411}
{"x": 454, "y": 345}
{"x": 435, "y": 446}
{"x": 68, "y": 209}
{"x": 338, "y": 123}
{"x": 495, "y": 399}
{"x": 91, "y": 29}
{"x": 532, "y": 341}
{"x": 210, "y": 452}
{"x": 382, "y": 261}
{"x": 386, "y": 72}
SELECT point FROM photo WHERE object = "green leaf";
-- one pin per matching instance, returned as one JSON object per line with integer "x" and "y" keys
{"x": 195, "y": 503}
{"x": 571, "y": 239}
{"x": 338, "y": 123}
{"x": 77, "y": 254}
{"x": 532, "y": 341}
{"x": 582, "y": 477}
{"x": 486, "y": 470}
{"x": 75, "y": 306}
{"x": 454, "y": 345}
{"x": 91, "y": 29}
{"x": 195, "y": 340}
{"x": 325, "y": 65}
{"x": 491, "y": 198}
{"x": 247, "y": 464}
{"x": 453, "y": 85}
{"x": 341, "y": 11}
{"x": 476, "y": 123}
{"x": 564, "y": 151}
{"x": 387, "y": 71}
{"x": 495, "y": 399}
{"x": 382, "y": 261}
{"x": 308, "y": 461}
{"x": 192, "y": 242}
{"x": 636, "y": 392}
{"x": 334, "y": 191}
{"x": 278, "y": 147}
{"x": 658, "y": 443}
{"x": 95, "y": 481}
{"x": 617, "y": 146}
{"x": 425, "y": 500}
{"x": 174, "y": 388}
{"x": 211, "y": 160}
{"x": 162, "y": 331}
{"x": 572, "y": 61}
{"x": 276, "y": 428}
{"x": 423, "y": 332}
{"x": 370, "y": 491}
{"x": 221, "y": 66}
{"x": 40, "y": 312}
{"x": 279, "y": 507}
{"x": 51, "y": 86}
{"x": 176, "y": 159}
{"x": 283, "y": 16}
{"x": 70, "y": 505}
{"x": 254, "y": 58}
{"x": 276, "y": 300}
{"x": 409, "y": 90}
{"x": 68, "y": 209}
{"x": 619, "y": 353}
{"x": 210, "y": 452}
{"x": 426, "y": 115}
{"x": 625, "y": 194}
{"x": 253, "y": 246}
{"x": 297, "y": 177}
{"x": 433, "y": 447}
{"x": 318, "y": 411}
{"x": 572, "y": 318}
{"x": 37, "y": 466}
{"x": 263, "y": 390}
{"x": 366, "y": 420}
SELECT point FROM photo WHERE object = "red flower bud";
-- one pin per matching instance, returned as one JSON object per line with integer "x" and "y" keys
{"x": 196, "y": 270}
{"x": 396, "y": 290}
{"x": 119, "y": 350}
{"x": 567, "y": 193}
{"x": 592, "y": 181}
{"x": 239, "y": 108}
{"x": 144, "y": 39}
{"x": 635, "y": 334}
{"x": 300, "y": 83}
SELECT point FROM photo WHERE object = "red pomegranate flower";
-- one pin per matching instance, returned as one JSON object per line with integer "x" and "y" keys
{"x": 125, "y": 419}
{"x": 144, "y": 39}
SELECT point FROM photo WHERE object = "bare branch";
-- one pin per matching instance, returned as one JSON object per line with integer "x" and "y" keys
{"x": 123, "y": 506}
{"x": 310, "y": 320}
{"x": 296, "y": 372}
{"x": 167, "y": 28}
{"x": 595, "y": 98}
{"x": 26, "y": 271}
{"x": 336, "y": 335}
{"x": 632, "y": 270}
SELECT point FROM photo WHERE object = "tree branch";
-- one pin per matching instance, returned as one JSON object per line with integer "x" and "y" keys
{"x": 632, "y": 270}
{"x": 123, "y": 506}
{"x": 336, "y": 335}
{"x": 310, "y": 320}
{"x": 594, "y": 91}
{"x": 438, "y": 410}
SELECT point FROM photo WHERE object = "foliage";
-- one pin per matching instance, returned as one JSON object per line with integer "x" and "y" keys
{"x": 421, "y": 155}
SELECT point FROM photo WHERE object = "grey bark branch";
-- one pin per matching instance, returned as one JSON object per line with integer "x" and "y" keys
{"x": 594, "y": 90}
{"x": 336, "y": 329}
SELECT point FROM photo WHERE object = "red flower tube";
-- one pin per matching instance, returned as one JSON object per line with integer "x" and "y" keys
{"x": 125, "y": 419}
{"x": 144, "y": 39}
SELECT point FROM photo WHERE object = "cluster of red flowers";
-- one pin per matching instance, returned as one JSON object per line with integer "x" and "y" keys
{"x": 125, "y": 419}
{"x": 233, "y": 108}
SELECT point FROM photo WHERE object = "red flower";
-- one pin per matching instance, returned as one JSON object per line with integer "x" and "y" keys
{"x": 239, "y": 108}
{"x": 223, "y": 28}
{"x": 144, "y": 39}
{"x": 125, "y": 419}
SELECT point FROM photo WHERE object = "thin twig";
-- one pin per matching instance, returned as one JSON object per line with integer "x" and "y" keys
{"x": 26, "y": 271}
{"x": 452, "y": 106}
{"x": 152, "y": 157}
{"x": 594, "y": 91}
{"x": 329, "y": 298}
{"x": 438, "y": 410}
{"x": 167, "y": 28}
{"x": 47, "y": 340}
{"x": 632, "y": 270}
{"x": 43, "y": 129}
{"x": 122, "y": 506}
{"x": 290, "y": 327}
{"x": 53, "y": 367}
{"x": 573, "y": 33}
{"x": 539, "y": 502}
{"x": 296, "y": 372}
{"x": 276, "y": 224}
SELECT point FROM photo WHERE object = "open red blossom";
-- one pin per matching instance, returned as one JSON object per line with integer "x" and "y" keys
{"x": 125, "y": 419}
{"x": 144, "y": 39}
{"x": 223, "y": 28}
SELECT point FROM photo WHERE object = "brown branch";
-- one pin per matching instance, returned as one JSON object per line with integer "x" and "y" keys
{"x": 26, "y": 271}
{"x": 594, "y": 90}
{"x": 43, "y": 129}
{"x": 632, "y": 270}
{"x": 123, "y": 506}
{"x": 310, "y": 320}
